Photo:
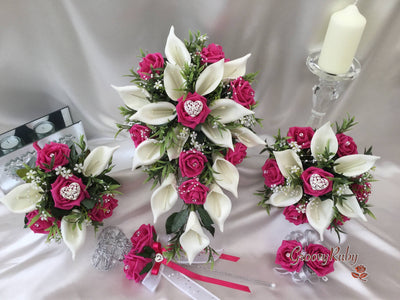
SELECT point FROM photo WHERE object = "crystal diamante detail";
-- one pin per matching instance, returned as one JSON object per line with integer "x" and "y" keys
{"x": 318, "y": 183}
{"x": 71, "y": 192}
{"x": 193, "y": 108}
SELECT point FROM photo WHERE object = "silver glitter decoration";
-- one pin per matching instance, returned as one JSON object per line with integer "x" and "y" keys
{"x": 318, "y": 183}
{"x": 112, "y": 246}
{"x": 193, "y": 108}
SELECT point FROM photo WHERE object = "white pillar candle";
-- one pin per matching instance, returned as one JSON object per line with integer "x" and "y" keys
{"x": 341, "y": 40}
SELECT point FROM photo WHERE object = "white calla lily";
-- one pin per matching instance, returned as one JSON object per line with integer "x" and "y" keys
{"x": 220, "y": 137}
{"x": 226, "y": 175}
{"x": 175, "y": 50}
{"x": 155, "y": 113}
{"x": 193, "y": 240}
{"x": 23, "y": 198}
{"x": 72, "y": 236}
{"x": 175, "y": 149}
{"x": 164, "y": 197}
{"x": 247, "y": 137}
{"x": 319, "y": 214}
{"x": 147, "y": 153}
{"x": 286, "y": 196}
{"x": 287, "y": 160}
{"x": 355, "y": 164}
{"x": 173, "y": 81}
{"x": 322, "y": 138}
{"x": 350, "y": 207}
{"x": 218, "y": 206}
{"x": 97, "y": 160}
{"x": 235, "y": 68}
{"x": 210, "y": 78}
{"x": 228, "y": 110}
{"x": 133, "y": 96}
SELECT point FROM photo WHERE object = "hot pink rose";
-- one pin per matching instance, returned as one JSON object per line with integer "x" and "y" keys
{"x": 68, "y": 193}
{"x": 142, "y": 237}
{"x": 346, "y": 145}
{"x": 103, "y": 210}
{"x": 296, "y": 214}
{"x": 139, "y": 133}
{"x": 133, "y": 265}
{"x": 212, "y": 53}
{"x": 191, "y": 163}
{"x": 53, "y": 151}
{"x": 242, "y": 92}
{"x": 193, "y": 192}
{"x": 321, "y": 261}
{"x": 41, "y": 224}
{"x": 361, "y": 191}
{"x": 237, "y": 155}
{"x": 301, "y": 135}
{"x": 152, "y": 60}
{"x": 288, "y": 256}
{"x": 192, "y": 110}
{"x": 272, "y": 174}
{"x": 316, "y": 181}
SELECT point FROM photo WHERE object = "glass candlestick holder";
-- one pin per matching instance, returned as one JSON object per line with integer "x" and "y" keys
{"x": 327, "y": 92}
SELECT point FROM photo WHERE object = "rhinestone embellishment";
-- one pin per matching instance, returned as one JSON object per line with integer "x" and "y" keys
{"x": 318, "y": 183}
{"x": 193, "y": 108}
{"x": 71, "y": 192}
{"x": 159, "y": 257}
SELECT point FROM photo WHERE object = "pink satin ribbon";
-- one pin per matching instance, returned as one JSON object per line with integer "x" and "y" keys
{"x": 156, "y": 268}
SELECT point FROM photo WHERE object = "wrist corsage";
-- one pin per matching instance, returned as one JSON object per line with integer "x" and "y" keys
{"x": 190, "y": 116}
{"x": 318, "y": 177}
{"x": 301, "y": 256}
{"x": 67, "y": 190}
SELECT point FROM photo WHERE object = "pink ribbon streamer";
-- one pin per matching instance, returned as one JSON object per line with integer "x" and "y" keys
{"x": 154, "y": 271}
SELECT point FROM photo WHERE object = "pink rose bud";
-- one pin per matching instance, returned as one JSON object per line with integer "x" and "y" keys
{"x": 301, "y": 135}
{"x": 152, "y": 60}
{"x": 288, "y": 256}
{"x": 59, "y": 153}
{"x": 319, "y": 259}
{"x": 272, "y": 174}
{"x": 212, "y": 53}
{"x": 193, "y": 192}
{"x": 346, "y": 145}
{"x": 236, "y": 157}
{"x": 68, "y": 193}
{"x": 316, "y": 181}
{"x": 242, "y": 92}
{"x": 139, "y": 133}
{"x": 192, "y": 110}
{"x": 191, "y": 163}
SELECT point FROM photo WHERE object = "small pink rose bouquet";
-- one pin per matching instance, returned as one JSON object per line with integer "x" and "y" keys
{"x": 318, "y": 176}
{"x": 190, "y": 115}
{"x": 67, "y": 190}
{"x": 301, "y": 256}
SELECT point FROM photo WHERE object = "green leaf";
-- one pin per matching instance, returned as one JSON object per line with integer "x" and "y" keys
{"x": 180, "y": 220}
{"x": 169, "y": 222}
{"x": 206, "y": 221}
{"x": 146, "y": 268}
{"x": 21, "y": 172}
{"x": 89, "y": 203}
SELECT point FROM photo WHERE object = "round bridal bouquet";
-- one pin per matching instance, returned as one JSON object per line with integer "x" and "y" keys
{"x": 190, "y": 116}
{"x": 67, "y": 190}
{"x": 318, "y": 176}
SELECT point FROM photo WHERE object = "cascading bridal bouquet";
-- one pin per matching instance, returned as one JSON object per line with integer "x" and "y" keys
{"x": 67, "y": 190}
{"x": 190, "y": 116}
{"x": 318, "y": 177}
